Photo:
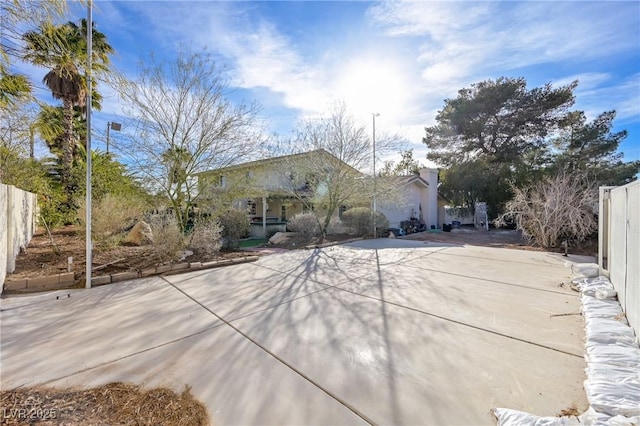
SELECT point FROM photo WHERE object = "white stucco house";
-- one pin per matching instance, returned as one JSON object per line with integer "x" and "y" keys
{"x": 417, "y": 197}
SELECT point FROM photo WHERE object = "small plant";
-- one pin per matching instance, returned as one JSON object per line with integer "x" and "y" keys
{"x": 205, "y": 236}
{"x": 168, "y": 240}
{"x": 360, "y": 221}
{"x": 235, "y": 225}
{"x": 110, "y": 216}
{"x": 336, "y": 226}
{"x": 305, "y": 224}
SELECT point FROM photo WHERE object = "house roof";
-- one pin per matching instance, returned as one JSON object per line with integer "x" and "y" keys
{"x": 405, "y": 180}
{"x": 271, "y": 160}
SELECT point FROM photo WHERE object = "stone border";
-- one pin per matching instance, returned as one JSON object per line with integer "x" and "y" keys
{"x": 67, "y": 280}
{"x": 52, "y": 282}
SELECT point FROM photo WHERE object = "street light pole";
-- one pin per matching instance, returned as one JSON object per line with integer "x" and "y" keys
{"x": 375, "y": 209}
{"x": 114, "y": 126}
{"x": 88, "y": 240}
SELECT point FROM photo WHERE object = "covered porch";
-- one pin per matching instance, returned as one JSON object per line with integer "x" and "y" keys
{"x": 269, "y": 214}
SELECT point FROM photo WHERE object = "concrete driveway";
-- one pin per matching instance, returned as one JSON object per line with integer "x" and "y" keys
{"x": 380, "y": 331}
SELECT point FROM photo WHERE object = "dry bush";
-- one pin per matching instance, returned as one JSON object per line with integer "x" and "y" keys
{"x": 206, "y": 236}
{"x": 336, "y": 227}
{"x": 555, "y": 209}
{"x": 168, "y": 241}
{"x": 235, "y": 225}
{"x": 113, "y": 404}
{"x": 360, "y": 221}
{"x": 305, "y": 224}
{"x": 110, "y": 216}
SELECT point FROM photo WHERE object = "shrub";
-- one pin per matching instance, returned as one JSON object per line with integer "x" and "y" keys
{"x": 336, "y": 227}
{"x": 558, "y": 208}
{"x": 305, "y": 224}
{"x": 110, "y": 217}
{"x": 205, "y": 236}
{"x": 235, "y": 225}
{"x": 360, "y": 221}
{"x": 168, "y": 240}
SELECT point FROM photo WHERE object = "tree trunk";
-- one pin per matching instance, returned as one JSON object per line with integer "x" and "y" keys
{"x": 69, "y": 142}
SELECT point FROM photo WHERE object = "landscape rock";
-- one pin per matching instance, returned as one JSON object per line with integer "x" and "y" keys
{"x": 278, "y": 237}
{"x": 140, "y": 235}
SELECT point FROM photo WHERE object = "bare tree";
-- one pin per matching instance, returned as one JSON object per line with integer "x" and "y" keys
{"x": 555, "y": 209}
{"x": 184, "y": 124}
{"x": 333, "y": 177}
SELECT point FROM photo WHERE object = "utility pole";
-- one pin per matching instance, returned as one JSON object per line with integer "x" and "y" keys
{"x": 375, "y": 207}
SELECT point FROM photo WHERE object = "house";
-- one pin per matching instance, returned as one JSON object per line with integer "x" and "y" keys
{"x": 275, "y": 189}
{"x": 416, "y": 196}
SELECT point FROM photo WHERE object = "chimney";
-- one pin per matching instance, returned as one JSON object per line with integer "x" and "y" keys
{"x": 430, "y": 199}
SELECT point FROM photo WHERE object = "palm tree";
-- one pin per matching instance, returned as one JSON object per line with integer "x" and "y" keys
{"x": 13, "y": 88}
{"x": 63, "y": 49}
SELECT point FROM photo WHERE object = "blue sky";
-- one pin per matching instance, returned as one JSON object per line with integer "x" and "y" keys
{"x": 401, "y": 59}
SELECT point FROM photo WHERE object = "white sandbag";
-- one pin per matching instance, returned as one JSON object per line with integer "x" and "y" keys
{"x": 600, "y": 308}
{"x": 508, "y": 417}
{"x": 606, "y": 293}
{"x": 586, "y": 282}
{"x": 623, "y": 421}
{"x": 612, "y": 373}
{"x": 622, "y": 356}
{"x": 613, "y": 398}
{"x": 592, "y": 417}
{"x": 602, "y": 331}
{"x": 591, "y": 286}
{"x": 586, "y": 270}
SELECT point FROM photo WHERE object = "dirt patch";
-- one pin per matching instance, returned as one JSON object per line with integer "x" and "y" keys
{"x": 571, "y": 411}
{"x": 112, "y": 404}
{"x": 504, "y": 238}
{"x": 41, "y": 259}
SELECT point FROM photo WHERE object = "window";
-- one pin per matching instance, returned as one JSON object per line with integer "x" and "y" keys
{"x": 283, "y": 212}
{"x": 252, "y": 208}
{"x": 341, "y": 211}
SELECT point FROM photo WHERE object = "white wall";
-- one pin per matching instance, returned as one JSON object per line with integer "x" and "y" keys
{"x": 18, "y": 211}
{"x": 408, "y": 204}
{"x": 619, "y": 245}
{"x": 463, "y": 215}
{"x": 4, "y": 233}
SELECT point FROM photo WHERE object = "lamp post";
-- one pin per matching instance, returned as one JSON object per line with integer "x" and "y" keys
{"x": 375, "y": 218}
{"x": 112, "y": 126}
{"x": 88, "y": 240}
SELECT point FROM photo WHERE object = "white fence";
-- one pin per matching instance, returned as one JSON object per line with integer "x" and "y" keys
{"x": 18, "y": 220}
{"x": 461, "y": 214}
{"x": 619, "y": 245}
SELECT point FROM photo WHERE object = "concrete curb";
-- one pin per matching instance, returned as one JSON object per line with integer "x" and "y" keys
{"x": 333, "y": 243}
{"x": 67, "y": 280}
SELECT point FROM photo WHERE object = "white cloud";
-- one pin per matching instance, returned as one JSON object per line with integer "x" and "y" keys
{"x": 402, "y": 58}
{"x": 471, "y": 39}
{"x": 623, "y": 97}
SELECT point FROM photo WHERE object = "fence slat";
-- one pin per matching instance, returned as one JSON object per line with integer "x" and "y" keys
{"x": 619, "y": 245}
